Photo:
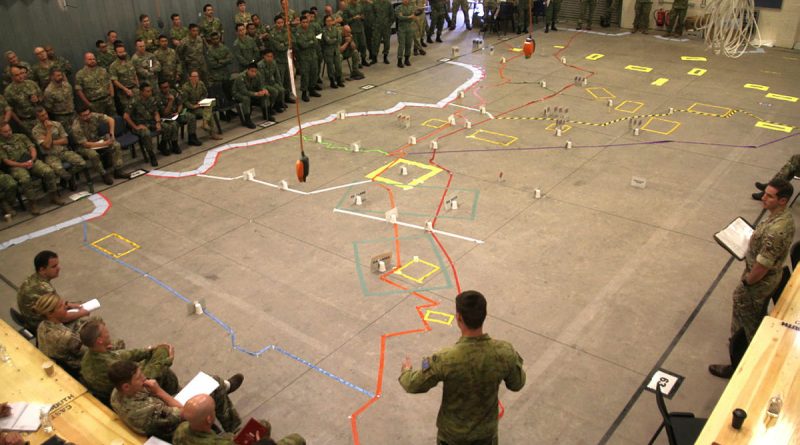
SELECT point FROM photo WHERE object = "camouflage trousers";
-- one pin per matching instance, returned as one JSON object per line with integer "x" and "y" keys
{"x": 114, "y": 152}
{"x": 381, "y": 33}
{"x": 420, "y": 25}
{"x": 190, "y": 118}
{"x": 65, "y": 120}
{"x": 226, "y": 413}
{"x": 333, "y": 64}
{"x": 157, "y": 367}
{"x": 748, "y": 304}
{"x": 103, "y": 105}
{"x": 58, "y": 155}
{"x": 790, "y": 169}
{"x": 8, "y": 189}
{"x": 124, "y": 99}
{"x": 262, "y": 101}
{"x": 491, "y": 441}
{"x": 38, "y": 170}
{"x": 463, "y": 5}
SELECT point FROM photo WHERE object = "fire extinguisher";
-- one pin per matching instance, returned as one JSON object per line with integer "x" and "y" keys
{"x": 662, "y": 17}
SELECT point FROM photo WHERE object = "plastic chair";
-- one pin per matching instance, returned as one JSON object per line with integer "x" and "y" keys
{"x": 122, "y": 135}
{"x": 682, "y": 428}
{"x": 224, "y": 103}
{"x": 795, "y": 254}
{"x": 23, "y": 331}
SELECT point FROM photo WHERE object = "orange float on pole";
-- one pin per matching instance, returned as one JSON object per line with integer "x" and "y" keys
{"x": 529, "y": 47}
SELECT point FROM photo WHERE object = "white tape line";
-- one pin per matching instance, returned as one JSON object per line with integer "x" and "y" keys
{"x": 411, "y": 226}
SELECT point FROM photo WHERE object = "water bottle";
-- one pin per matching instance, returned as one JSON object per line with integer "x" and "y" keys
{"x": 4, "y": 357}
{"x": 44, "y": 419}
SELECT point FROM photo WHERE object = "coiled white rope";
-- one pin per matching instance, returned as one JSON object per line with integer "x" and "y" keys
{"x": 729, "y": 26}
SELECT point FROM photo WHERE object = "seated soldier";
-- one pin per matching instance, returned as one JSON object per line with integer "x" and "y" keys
{"x": 86, "y": 129}
{"x": 47, "y": 268}
{"x": 170, "y": 106}
{"x": 350, "y": 53}
{"x": 192, "y": 92}
{"x": 55, "y": 337}
{"x": 8, "y": 196}
{"x": 150, "y": 410}
{"x": 19, "y": 156}
{"x": 155, "y": 361}
{"x": 271, "y": 77}
{"x": 248, "y": 88}
{"x": 199, "y": 417}
{"x": 144, "y": 120}
{"x": 53, "y": 140}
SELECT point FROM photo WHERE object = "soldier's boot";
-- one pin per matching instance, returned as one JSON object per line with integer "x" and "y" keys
{"x": 152, "y": 157}
{"x": 429, "y": 39}
{"x": 119, "y": 174}
{"x": 422, "y": 42}
{"x": 400, "y": 63}
{"x": 162, "y": 147}
{"x": 386, "y": 59}
{"x": 422, "y": 52}
{"x": 334, "y": 85}
{"x": 553, "y": 26}
{"x": 249, "y": 123}
{"x": 438, "y": 37}
{"x": 579, "y": 27}
{"x": 547, "y": 28}
{"x": 194, "y": 141}
{"x": 8, "y": 211}
{"x": 175, "y": 147}
{"x": 57, "y": 200}
{"x": 373, "y": 60}
{"x": 289, "y": 99}
{"x": 314, "y": 93}
{"x": 416, "y": 51}
{"x": 33, "y": 208}
{"x": 108, "y": 178}
{"x": 407, "y": 62}
{"x": 340, "y": 83}
{"x": 761, "y": 186}
{"x": 305, "y": 96}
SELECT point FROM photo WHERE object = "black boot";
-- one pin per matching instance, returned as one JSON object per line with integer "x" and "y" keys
{"x": 249, "y": 123}
{"x": 416, "y": 51}
{"x": 162, "y": 147}
{"x": 333, "y": 84}
{"x": 341, "y": 83}
{"x": 438, "y": 37}
{"x": 373, "y": 60}
{"x": 152, "y": 157}
{"x": 305, "y": 96}
{"x": 386, "y": 59}
{"x": 407, "y": 61}
{"x": 422, "y": 52}
{"x": 194, "y": 141}
{"x": 553, "y": 26}
{"x": 400, "y": 63}
{"x": 422, "y": 42}
{"x": 546, "y": 28}
{"x": 429, "y": 40}
{"x": 289, "y": 99}
{"x": 761, "y": 186}
{"x": 314, "y": 93}
{"x": 175, "y": 147}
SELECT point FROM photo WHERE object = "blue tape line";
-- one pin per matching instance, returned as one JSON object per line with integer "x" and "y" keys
{"x": 225, "y": 326}
{"x": 324, "y": 372}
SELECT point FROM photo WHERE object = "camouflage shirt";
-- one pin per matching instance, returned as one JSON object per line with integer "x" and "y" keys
{"x": 170, "y": 64}
{"x": 147, "y": 68}
{"x": 178, "y": 33}
{"x": 146, "y": 414}
{"x": 41, "y": 73}
{"x": 59, "y": 98}
{"x": 192, "y": 52}
{"x": 193, "y": 94}
{"x": 279, "y": 43}
{"x": 770, "y": 242}
{"x": 219, "y": 59}
{"x": 471, "y": 370}
{"x": 270, "y": 74}
{"x": 7, "y": 72}
{"x": 124, "y": 72}
{"x": 243, "y": 17}
{"x": 105, "y": 58}
{"x": 64, "y": 65}
{"x": 20, "y": 96}
{"x": 62, "y": 343}
{"x": 94, "y": 368}
{"x": 149, "y": 36}
{"x": 34, "y": 286}
{"x": 143, "y": 111}
{"x": 163, "y": 100}
{"x": 245, "y": 49}
{"x": 4, "y": 106}
{"x": 56, "y": 132}
{"x": 245, "y": 85}
{"x": 88, "y": 131}
{"x": 208, "y": 26}
{"x": 93, "y": 82}
{"x": 184, "y": 435}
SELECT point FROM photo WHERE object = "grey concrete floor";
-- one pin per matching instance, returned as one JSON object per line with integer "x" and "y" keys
{"x": 597, "y": 284}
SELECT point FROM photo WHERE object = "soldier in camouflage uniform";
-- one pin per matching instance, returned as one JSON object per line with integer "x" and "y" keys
{"x": 193, "y": 52}
{"x": 350, "y": 54}
{"x": 523, "y": 17}
{"x": 271, "y": 79}
{"x": 41, "y": 70}
{"x": 219, "y": 60}
{"x": 18, "y": 154}
{"x": 150, "y": 410}
{"x": 787, "y": 172}
{"x": 101, "y": 354}
{"x": 123, "y": 76}
{"x": 103, "y": 54}
{"x": 354, "y": 16}
{"x": 177, "y": 32}
{"x": 57, "y": 339}
{"x": 279, "y": 43}
{"x": 248, "y": 87}
{"x": 262, "y": 30}
{"x": 368, "y": 9}
{"x": 144, "y": 121}
{"x": 210, "y": 24}
{"x": 766, "y": 252}
{"x": 331, "y": 41}
{"x": 8, "y": 194}
{"x": 147, "y": 34}
{"x": 242, "y": 17}
{"x": 306, "y": 51}
{"x": 200, "y": 416}
{"x": 462, "y": 5}
{"x": 169, "y": 61}
{"x": 23, "y": 96}
{"x": 587, "y": 11}
{"x": 677, "y": 16}
{"x": 59, "y": 61}
{"x": 252, "y": 32}
{"x": 53, "y": 140}
{"x": 170, "y": 105}
{"x": 94, "y": 88}
{"x": 148, "y": 68}
{"x": 47, "y": 268}
{"x": 245, "y": 48}
{"x": 420, "y": 25}
{"x": 192, "y": 92}
{"x": 86, "y": 131}
{"x": 316, "y": 27}
{"x": 59, "y": 99}
{"x": 12, "y": 61}
{"x": 405, "y": 33}
{"x": 382, "y": 27}
{"x": 471, "y": 371}
{"x": 5, "y": 109}
{"x": 438, "y": 13}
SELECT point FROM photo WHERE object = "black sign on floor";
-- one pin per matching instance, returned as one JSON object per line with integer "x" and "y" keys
{"x": 668, "y": 380}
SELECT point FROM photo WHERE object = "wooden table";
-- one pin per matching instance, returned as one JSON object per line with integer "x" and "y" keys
{"x": 788, "y": 307}
{"x": 77, "y": 416}
{"x": 771, "y": 366}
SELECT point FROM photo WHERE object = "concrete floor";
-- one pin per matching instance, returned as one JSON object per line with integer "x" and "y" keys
{"x": 597, "y": 284}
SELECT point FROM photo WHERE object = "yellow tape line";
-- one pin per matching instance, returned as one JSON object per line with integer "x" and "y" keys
{"x": 641, "y": 69}
{"x": 660, "y": 81}
{"x": 133, "y": 245}
{"x": 693, "y": 58}
{"x": 447, "y": 319}
{"x": 509, "y": 139}
{"x": 776, "y": 127}
{"x": 755, "y": 86}
{"x": 594, "y": 56}
{"x": 781, "y": 97}
{"x": 697, "y": 72}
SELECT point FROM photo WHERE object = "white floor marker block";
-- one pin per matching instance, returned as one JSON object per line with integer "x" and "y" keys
{"x": 638, "y": 182}
{"x": 453, "y": 204}
{"x": 284, "y": 185}
{"x": 403, "y": 170}
{"x": 434, "y": 145}
{"x": 451, "y": 119}
{"x": 544, "y": 84}
{"x": 537, "y": 193}
{"x": 356, "y": 147}
{"x": 342, "y": 114}
{"x": 249, "y": 175}
{"x": 318, "y": 138}
{"x": 412, "y": 140}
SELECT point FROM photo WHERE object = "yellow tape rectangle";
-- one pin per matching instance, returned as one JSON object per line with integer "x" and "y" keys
{"x": 564, "y": 128}
{"x": 446, "y": 319}
{"x": 755, "y": 86}
{"x": 660, "y": 81}
{"x": 498, "y": 138}
{"x": 377, "y": 174}
{"x": 656, "y": 121}
{"x": 697, "y": 71}
{"x": 781, "y": 97}
{"x": 629, "y": 106}
{"x": 419, "y": 280}
{"x": 434, "y": 123}
{"x": 775, "y": 127}
{"x": 710, "y": 110}
{"x": 641, "y": 69}
{"x": 594, "y": 56}
{"x": 558, "y": 46}
{"x": 119, "y": 237}
{"x": 603, "y": 93}
{"x": 693, "y": 58}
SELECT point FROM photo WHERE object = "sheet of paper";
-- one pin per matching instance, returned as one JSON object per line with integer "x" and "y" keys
{"x": 209, "y": 102}
{"x": 736, "y": 237}
{"x": 91, "y": 305}
{"x": 155, "y": 441}
{"x": 24, "y": 417}
{"x": 202, "y": 383}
